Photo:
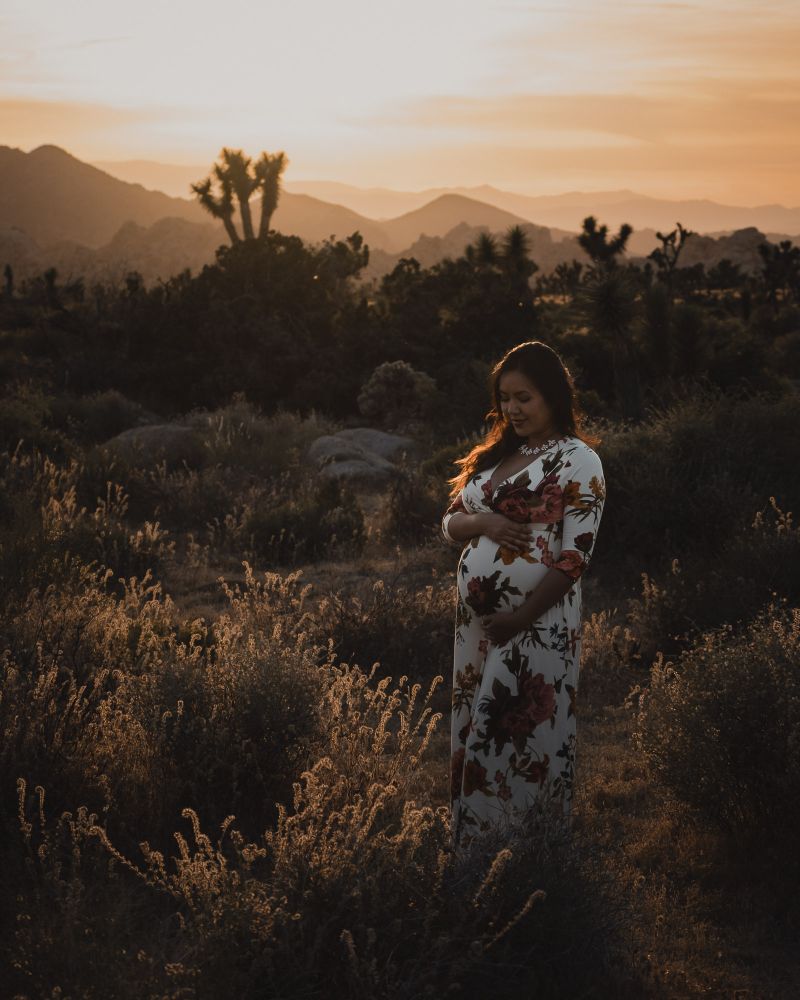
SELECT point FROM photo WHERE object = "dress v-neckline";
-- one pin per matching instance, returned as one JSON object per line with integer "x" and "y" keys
{"x": 519, "y": 472}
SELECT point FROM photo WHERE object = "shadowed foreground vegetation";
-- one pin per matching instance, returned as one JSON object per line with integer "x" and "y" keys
{"x": 224, "y": 687}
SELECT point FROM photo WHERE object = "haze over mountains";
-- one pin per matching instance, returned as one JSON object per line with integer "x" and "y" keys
{"x": 564, "y": 211}
{"x": 57, "y": 210}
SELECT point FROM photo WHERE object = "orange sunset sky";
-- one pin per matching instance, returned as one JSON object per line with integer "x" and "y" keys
{"x": 669, "y": 99}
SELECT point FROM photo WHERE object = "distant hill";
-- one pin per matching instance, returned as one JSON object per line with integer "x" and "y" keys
{"x": 315, "y": 220}
{"x": 53, "y": 196}
{"x": 567, "y": 211}
{"x": 441, "y": 215}
{"x": 564, "y": 211}
{"x": 57, "y": 211}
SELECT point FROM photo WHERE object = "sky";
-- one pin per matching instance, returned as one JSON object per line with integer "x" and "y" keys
{"x": 678, "y": 100}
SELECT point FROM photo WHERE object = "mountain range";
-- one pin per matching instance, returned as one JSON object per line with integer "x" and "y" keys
{"x": 57, "y": 210}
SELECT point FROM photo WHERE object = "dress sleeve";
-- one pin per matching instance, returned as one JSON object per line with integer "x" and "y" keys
{"x": 456, "y": 507}
{"x": 584, "y": 498}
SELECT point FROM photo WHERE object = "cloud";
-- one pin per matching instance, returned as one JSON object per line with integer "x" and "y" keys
{"x": 28, "y": 122}
{"x": 707, "y": 111}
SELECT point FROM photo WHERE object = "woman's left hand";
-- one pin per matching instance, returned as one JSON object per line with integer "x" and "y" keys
{"x": 501, "y": 626}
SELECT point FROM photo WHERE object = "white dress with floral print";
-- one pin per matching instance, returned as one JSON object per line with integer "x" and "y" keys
{"x": 513, "y": 720}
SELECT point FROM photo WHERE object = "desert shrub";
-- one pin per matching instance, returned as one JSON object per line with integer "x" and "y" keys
{"x": 785, "y": 353}
{"x": 355, "y": 876}
{"x": 97, "y": 417}
{"x": 720, "y": 726}
{"x": 748, "y": 568}
{"x": 296, "y": 520}
{"x": 406, "y": 628}
{"x": 440, "y": 464}
{"x": 412, "y": 507}
{"x": 107, "y": 699}
{"x": 25, "y": 422}
{"x": 43, "y": 526}
{"x": 689, "y": 478}
{"x": 182, "y": 499}
{"x": 396, "y": 396}
{"x": 240, "y": 436}
{"x": 610, "y": 660}
{"x": 418, "y": 496}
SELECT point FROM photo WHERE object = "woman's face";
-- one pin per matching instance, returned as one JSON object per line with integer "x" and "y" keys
{"x": 524, "y": 407}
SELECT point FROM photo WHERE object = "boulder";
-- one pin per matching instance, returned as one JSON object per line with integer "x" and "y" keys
{"x": 358, "y": 453}
{"x": 153, "y": 443}
{"x": 378, "y": 442}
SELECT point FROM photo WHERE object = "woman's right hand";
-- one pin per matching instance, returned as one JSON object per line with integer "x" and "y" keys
{"x": 510, "y": 534}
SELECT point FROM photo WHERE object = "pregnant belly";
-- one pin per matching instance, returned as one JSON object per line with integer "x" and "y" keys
{"x": 487, "y": 584}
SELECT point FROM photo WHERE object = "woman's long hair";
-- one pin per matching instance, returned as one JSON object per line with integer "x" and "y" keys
{"x": 545, "y": 369}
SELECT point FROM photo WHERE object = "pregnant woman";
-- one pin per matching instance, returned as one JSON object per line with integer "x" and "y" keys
{"x": 528, "y": 502}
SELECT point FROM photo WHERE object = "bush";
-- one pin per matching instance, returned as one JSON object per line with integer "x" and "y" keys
{"x": 356, "y": 876}
{"x": 749, "y": 568}
{"x": 25, "y": 422}
{"x": 103, "y": 698}
{"x": 396, "y": 397}
{"x": 412, "y": 508}
{"x": 240, "y": 436}
{"x": 293, "y": 522}
{"x": 610, "y": 661}
{"x": 43, "y": 526}
{"x": 95, "y": 418}
{"x": 687, "y": 480}
{"x": 407, "y": 629}
{"x": 720, "y": 727}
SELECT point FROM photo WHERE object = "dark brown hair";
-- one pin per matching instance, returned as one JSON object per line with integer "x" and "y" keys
{"x": 545, "y": 369}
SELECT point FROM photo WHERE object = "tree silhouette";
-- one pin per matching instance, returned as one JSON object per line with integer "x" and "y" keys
{"x": 667, "y": 255}
{"x": 602, "y": 250}
{"x": 219, "y": 206}
{"x": 238, "y": 177}
{"x": 268, "y": 171}
{"x": 724, "y": 275}
{"x": 609, "y": 299}
{"x": 236, "y": 167}
{"x": 517, "y": 266}
{"x": 781, "y": 270}
{"x": 486, "y": 253}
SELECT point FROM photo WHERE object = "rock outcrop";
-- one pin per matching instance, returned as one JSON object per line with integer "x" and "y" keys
{"x": 359, "y": 453}
{"x": 153, "y": 443}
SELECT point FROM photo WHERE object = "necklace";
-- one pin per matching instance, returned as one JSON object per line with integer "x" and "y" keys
{"x": 528, "y": 451}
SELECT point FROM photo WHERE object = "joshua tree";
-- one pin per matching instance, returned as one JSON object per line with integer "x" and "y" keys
{"x": 268, "y": 170}
{"x": 483, "y": 251}
{"x": 516, "y": 247}
{"x": 598, "y": 246}
{"x": 220, "y": 207}
{"x": 666, "y": 256}
{"x": 566, "y": 277}
{"x": 238, "y": 177}
{"x": 781, "y": 270}
{"x": 236, "y": 167}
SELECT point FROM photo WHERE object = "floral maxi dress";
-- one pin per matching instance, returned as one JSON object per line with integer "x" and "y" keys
{"x": 513, "y": 711}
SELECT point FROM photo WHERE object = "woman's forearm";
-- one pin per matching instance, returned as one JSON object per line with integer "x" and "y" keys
{"x": 551, "y": 588}
{"x": 463, "y": 526}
